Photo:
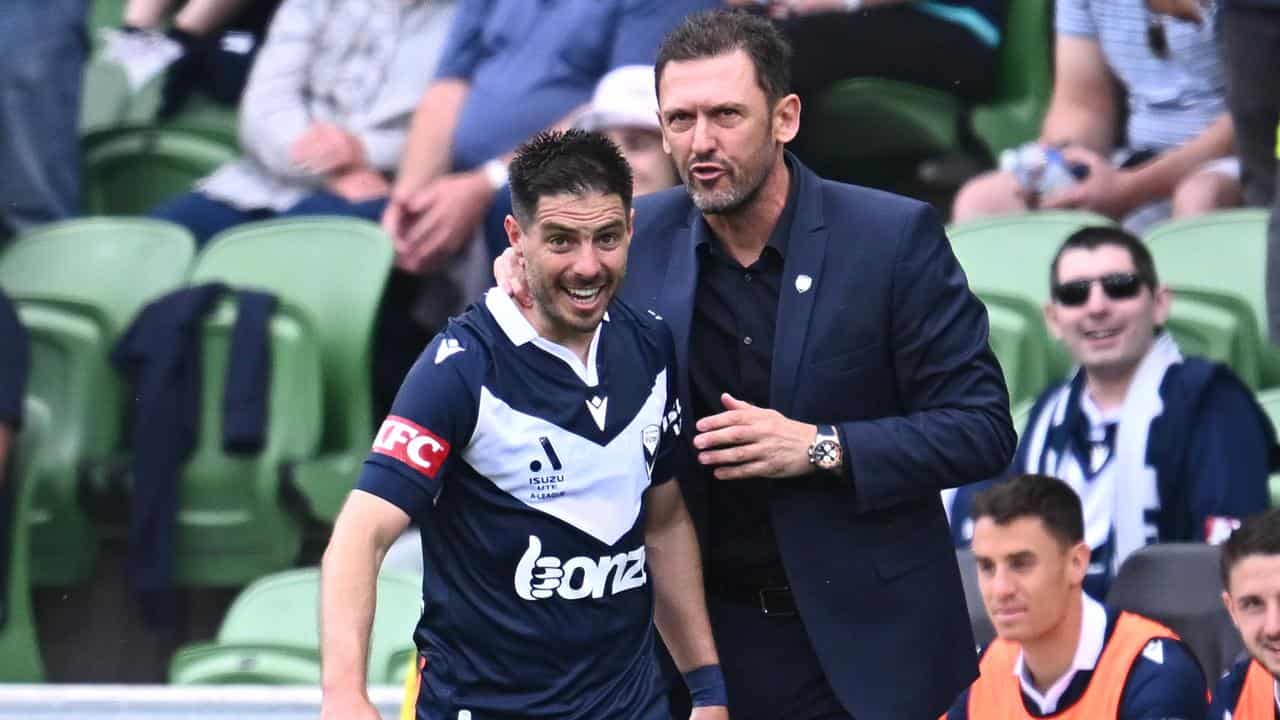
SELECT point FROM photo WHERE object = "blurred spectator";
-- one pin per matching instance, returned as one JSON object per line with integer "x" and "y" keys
{"x": 625, "y": 108}
{"x": 1251, "y": 592}
{"x": 325, "y": 113}
{"x": 209, "y": 46}
{"x": 40, "y": 76}
{"x": 949, "y": 45}
{"x": 14, "y": 365}
{"x": 1057, "y": 650}
{"x": 1160, "y": 448}
{"x": 1174, "y": 156}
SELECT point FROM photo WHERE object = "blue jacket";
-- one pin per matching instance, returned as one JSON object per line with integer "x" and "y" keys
{"x": 887, "y": 342}
{"x": 15, "y": 361}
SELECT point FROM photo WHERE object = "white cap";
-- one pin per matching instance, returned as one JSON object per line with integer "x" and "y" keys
{"x": 624, "y": 98}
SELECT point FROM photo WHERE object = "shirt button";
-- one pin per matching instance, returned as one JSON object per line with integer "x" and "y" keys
{"x": 746, "y": 340}
{"x": 747, "y": 276}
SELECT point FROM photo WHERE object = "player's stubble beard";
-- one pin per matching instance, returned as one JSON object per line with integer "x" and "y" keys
{"x": 553, "y": 305}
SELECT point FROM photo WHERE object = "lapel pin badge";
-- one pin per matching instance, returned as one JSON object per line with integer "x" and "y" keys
{"x": 803, "y": 283}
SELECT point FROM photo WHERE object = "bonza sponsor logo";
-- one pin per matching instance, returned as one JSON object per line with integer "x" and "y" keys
{"x": 411, "y": 444}
{"x": 539, "y": 576}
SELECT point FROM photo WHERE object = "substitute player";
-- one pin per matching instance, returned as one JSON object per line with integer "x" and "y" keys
{"x": 1251, "y": 578}
{"x": 532, "y": 447}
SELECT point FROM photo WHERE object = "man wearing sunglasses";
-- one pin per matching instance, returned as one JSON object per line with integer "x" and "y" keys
{"x": 1160, "y": 447}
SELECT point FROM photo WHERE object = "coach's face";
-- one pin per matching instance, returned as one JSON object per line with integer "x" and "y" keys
{"x": 1253, "y": 600}
{"x": 720, "y": 129}
{"x": 1026, "y": 575}
{"x": 575, "y": 257}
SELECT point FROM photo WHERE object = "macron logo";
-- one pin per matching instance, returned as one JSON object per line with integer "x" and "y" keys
{"x": 411, "y": 444}
{"x": 448, "y": 348}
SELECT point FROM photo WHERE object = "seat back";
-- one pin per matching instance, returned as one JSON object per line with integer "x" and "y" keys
{"x": 1221, "y": 257}
{"x": 1178, "y": 585}
{"x": 332, "y": 271}
{"x": 77, "y": 284}
{"x": 1024, "y": 80}
{"x": 983, "y": 631}
{"x": 130, "y": 170}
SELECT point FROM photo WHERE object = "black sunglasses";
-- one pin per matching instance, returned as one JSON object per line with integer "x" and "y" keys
{"x": 1117, "y": 286}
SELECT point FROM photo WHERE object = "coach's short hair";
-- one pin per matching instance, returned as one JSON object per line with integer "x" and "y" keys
{"x": 1093, "y": 237}
{"x": 574, "y": 162}
{"x": 1038, "y": 496}
{"x": 1257, "y": 535}
{"x": 712, "y": 33}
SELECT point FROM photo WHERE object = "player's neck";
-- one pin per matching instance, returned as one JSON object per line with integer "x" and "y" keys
{"x": 1048, "y": 657}
{"x": 745, "y": 231}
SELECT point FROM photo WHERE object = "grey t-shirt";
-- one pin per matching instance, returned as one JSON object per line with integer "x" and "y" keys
{"x": 1170, "y": 100}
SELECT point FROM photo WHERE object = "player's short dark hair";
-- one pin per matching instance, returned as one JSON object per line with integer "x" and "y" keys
{"x": 1257, "y": 535}
{"x": 712, "y": 33}
{"x": 1038, "y": 496}
{"x": 1095, "y": 236}
{"x": 575, "y": 162}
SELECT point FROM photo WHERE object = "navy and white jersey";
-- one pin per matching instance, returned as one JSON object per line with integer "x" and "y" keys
{"x": 525, "y": 470}
{"x": 1246, "y": 692}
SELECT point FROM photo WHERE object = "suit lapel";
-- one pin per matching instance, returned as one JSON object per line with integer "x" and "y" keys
{"x": 801, "y": 273}
{"x": 675, "y": 302}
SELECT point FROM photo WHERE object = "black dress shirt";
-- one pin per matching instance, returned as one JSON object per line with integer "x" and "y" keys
{"x": 731, "y": 350}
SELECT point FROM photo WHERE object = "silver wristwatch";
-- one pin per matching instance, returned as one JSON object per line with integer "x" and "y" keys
{"x": 825, "y": 452}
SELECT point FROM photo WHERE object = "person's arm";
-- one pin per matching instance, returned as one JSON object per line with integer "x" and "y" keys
{"x": 1165, "y": 683}
{"x": 1229, "y": 457}
{"x": 273, "y": 112}
{"x": 1157, "y": 178}
{"x": 203, "y": 17}
{"x": 679, "y": 608}
{"x": 364, "y": 530}
{"x": 1082, "y": 108}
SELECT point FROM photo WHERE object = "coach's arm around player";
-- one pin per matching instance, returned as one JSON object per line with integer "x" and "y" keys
{"x": 363, "y": 532}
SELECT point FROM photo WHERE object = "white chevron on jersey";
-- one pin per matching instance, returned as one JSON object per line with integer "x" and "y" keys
{"x": 600, "y": 488}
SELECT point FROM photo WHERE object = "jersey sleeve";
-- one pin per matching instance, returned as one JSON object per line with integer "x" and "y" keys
{"x": 1227, "y": 692}
{"x": 1165, "y": 684}
{"x": 673, "y": 453}
{"x": 431, "y": 421}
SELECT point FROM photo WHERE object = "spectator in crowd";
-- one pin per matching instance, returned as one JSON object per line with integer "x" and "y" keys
{"x": 208, "y": 47}
{"x": 324, "y": 116}
{"x": 14, "y": 365}
{"x": 949, "y": 45}
{"x": 837, "y": 374}
{"x": 1160, "y": 448}
{"x": 1059, "y": 652}
{"x": 625, "y": 109}
{"x": 1251, "y": 592}
{"x": 40, "y": 78}
{"x": 1174, "y": 156}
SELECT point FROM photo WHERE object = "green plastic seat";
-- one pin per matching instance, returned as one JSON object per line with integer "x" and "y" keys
{"x": 1025, "y": 79}
{"x": 1221, "y": 258}
{"x": 20, "y": 660}
{"x": 1020, "y": 343}
{"x": 269, "y": 632}
{"x": 201, "y": 115}
{"x": 332, "y": 272}
{"x": 77, "y": 284}
{"x": 130, "y": 170}
{"x": 234, "y": 523}
{"x": 104, "y": 100}
{"x": 1210, "y": 330}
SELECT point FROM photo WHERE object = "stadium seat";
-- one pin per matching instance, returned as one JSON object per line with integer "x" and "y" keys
{"x": 1221, "y": 258}
{"x": 20, "y": 660}
{"x": 1013, "y": 114}
{"x": 77, "y": 284}
{"x": 1021, "y": 344}
{"x": 269, "y": 634}
{"x": 234, "y": 523}
{"x": 1178, "y": 584}
{"x": 1211, "y": 330}
{"x": 331, "y": 271}
{"x": 983, "y": 631}
{"x": 1270, "y": 402}
{"x": 130, "y": 170}
{"x": 104, "y": 100}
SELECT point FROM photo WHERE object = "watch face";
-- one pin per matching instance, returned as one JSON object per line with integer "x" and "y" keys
{"x": 826, "y": 454}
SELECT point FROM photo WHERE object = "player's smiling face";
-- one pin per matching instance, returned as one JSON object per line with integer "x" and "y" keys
{"x": 575, "y": 257}
{"x": 1027, "y": 577}
{"x": 1253, "y": 601}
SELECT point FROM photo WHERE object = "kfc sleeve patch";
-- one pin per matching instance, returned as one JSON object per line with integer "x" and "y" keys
{"x": 411, "y": 444}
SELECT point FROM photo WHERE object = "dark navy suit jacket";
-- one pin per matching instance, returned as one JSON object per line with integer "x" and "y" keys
{"x": 887, "y": 342}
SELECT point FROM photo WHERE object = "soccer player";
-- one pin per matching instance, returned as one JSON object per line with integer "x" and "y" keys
{"x": 533, "y": 446}
{"x": 1251, "y": 578}
{"x": 1058, "y": 652}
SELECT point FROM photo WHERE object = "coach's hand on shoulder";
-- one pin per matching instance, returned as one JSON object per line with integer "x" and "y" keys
{"x": 746, "y": 441}
{"x": 710, "y": 712}
{"x": 348, "y": 706}
{"x": 509, "y": 274}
